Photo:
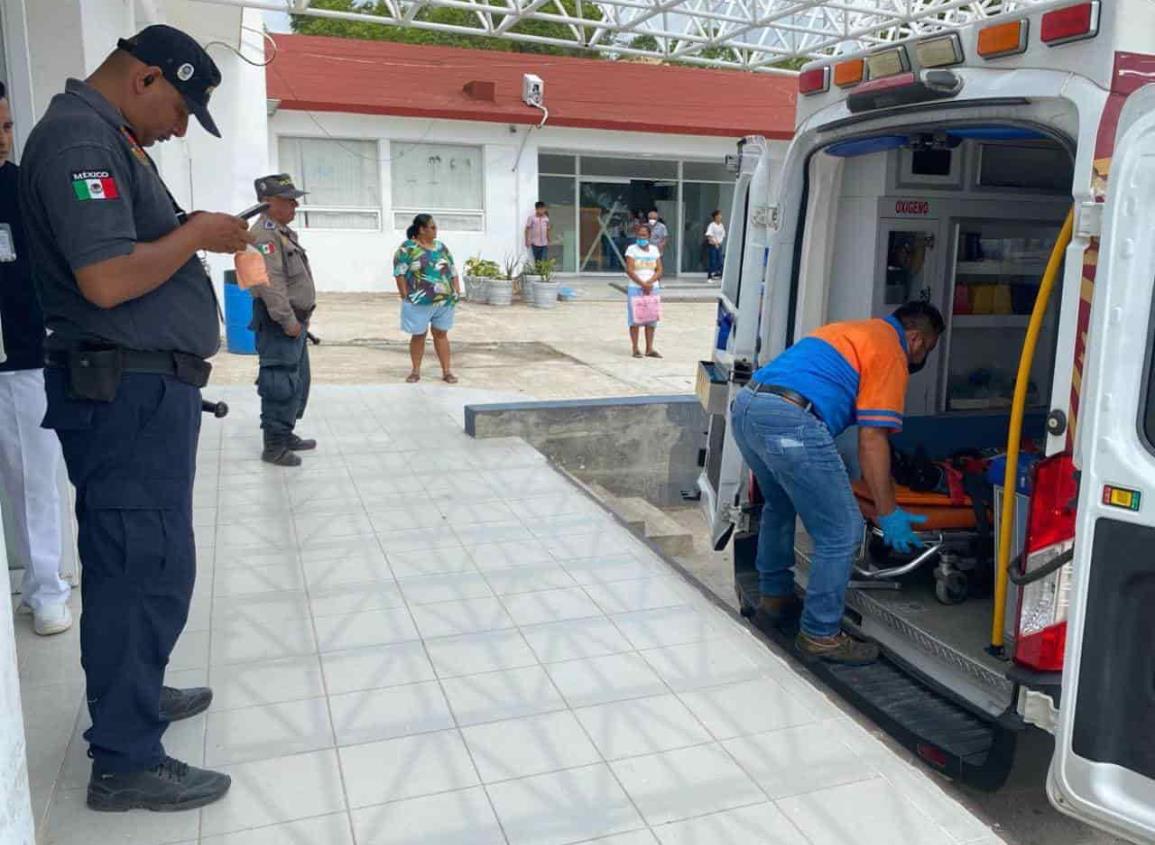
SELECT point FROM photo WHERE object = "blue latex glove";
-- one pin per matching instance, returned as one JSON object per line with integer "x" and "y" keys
{"x": 898, "y": 530}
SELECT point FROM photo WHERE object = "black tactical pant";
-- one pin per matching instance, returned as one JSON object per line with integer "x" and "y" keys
{"x": 283, "y": 380}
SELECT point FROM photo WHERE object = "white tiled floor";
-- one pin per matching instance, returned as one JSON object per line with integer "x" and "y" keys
{"x": 421, "y": 638}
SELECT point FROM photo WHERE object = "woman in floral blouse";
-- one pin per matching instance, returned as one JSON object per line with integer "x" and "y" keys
{"x": 430, "y": 287}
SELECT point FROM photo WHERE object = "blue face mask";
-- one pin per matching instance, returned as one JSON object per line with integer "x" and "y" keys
{"x": 643, "y": 242}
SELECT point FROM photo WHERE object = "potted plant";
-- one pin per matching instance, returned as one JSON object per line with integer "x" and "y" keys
{"x": 544, "y": 291}
{"x": 501, "y": 289}
{"x": 478, "y": 274}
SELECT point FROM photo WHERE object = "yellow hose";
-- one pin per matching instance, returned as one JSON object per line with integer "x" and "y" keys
{"x": 1015, "y": 434}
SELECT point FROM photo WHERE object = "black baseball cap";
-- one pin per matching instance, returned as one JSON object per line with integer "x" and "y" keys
{"x": 184, "y": 63}
{"x": 277, "y": 185}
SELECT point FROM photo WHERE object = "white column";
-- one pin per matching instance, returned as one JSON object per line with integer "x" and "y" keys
{"x": 216, "y": 174}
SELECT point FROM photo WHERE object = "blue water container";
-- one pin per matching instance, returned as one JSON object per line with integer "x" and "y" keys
{"x": 239, "y": 338}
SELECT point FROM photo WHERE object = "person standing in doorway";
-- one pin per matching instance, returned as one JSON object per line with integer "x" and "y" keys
{"x": 281, "y": 313}
{"x": 538, "y": 232}
{"x": 429, "y": 286}
{"x": 29, "y": 454}
{"x": 132, "y": 319}
{"x": 644, "y": 268}
{"x": 659, "y": 233}
{"x": 715, "y": 236}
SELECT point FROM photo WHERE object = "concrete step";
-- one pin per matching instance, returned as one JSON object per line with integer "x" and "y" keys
{"x": 648, "y": 521}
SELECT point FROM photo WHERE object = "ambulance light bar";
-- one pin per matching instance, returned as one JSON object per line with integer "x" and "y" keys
{"x": 940, "y": 51}
{"x": 814, "y": 81}
{"x": 889, "y": 62}
{"x": 904, "y": 90}
{"x": 1003, "y": 39}
{"x": 1072, "y": 23}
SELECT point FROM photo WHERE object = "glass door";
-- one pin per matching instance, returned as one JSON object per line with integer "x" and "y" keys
{"x": 605, "y": 225}
{"x": 998, "y": 266}
{"x": 909, "y": 267}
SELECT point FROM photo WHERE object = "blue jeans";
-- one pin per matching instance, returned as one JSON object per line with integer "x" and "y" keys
{"x": 713, "y": 260}
{"x": 802, "y": 475}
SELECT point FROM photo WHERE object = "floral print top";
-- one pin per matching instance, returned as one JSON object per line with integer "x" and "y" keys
{"x": 429, "y": 273}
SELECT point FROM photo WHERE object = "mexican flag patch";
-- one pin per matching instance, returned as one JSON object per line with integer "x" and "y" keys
{"x": 94, "y": 185}
{"x": 266, "y": 249}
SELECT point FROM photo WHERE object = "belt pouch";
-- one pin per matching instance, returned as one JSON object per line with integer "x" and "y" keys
{"x": 192, "y": 370}
{"x": 94, "y": 374}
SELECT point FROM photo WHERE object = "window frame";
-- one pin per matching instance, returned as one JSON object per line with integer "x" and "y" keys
{"x": 398, "y": 210}
{"x": 304, "y": 209}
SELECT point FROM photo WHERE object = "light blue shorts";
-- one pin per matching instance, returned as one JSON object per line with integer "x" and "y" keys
{"x": 416, "y": 319}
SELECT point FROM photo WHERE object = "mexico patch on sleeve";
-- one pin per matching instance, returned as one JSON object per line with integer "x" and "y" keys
{"x": 266, "y": 249}
{"x": 94, "y": 185}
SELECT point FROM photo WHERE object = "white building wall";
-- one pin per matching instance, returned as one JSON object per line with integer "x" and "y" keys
{"x": 360, "y": 260}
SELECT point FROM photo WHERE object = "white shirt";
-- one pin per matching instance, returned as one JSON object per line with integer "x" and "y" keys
{"x": 717, "y": 232}
{"x": 645, "y": 260}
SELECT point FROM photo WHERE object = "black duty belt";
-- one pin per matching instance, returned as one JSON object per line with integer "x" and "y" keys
{"x": 791, "y": 396}
{"x": 191, "y": 369}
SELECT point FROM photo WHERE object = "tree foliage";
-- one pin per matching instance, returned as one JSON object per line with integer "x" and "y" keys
{"x": 311, "y": 25}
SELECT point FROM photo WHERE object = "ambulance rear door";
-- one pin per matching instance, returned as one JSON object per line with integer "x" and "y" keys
{"x": 1103, "y": 771}
{"x": 752, "y": 219}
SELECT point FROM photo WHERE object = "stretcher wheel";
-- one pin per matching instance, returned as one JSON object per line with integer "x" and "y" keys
{"x": 950, "y": 588}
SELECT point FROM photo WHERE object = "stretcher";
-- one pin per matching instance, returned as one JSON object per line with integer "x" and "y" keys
{"x": 949, "y": 534}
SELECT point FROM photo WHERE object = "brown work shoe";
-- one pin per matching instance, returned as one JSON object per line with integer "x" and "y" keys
{"x": 841, "y": 648}
{"x": 777, "y": 611}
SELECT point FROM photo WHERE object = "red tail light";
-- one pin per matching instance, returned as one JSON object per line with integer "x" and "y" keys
{"x": 1043, "y": 604}
{"x": 1071, "y": 23}
{"x": 814, "y": 81}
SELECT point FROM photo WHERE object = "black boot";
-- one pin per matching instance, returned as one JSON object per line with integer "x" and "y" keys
{"x": 177, "y": 704}
{"x": 170, "y": 786}
{"x": 278, "y": 453}
{"x": 299, "y": 444}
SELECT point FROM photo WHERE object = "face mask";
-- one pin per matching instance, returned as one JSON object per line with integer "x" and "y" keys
{"x": 643, "y": 242}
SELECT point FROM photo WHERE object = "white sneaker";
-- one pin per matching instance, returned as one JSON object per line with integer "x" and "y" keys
{"x": 52, "y": 619}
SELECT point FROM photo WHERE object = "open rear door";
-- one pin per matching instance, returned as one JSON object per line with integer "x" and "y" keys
{"x": 1103, "y": 771}
{"x": 739, "y": 304}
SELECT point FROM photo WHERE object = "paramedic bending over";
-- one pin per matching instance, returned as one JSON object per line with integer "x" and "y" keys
{"x": 785, "y": 422}
{"x": 644, "y": 267}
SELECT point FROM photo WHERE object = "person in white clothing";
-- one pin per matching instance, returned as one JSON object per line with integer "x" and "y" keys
{"x": 715, "y": 235}
{"x": 644, "y": 267}
{"x": 29, "y": 455}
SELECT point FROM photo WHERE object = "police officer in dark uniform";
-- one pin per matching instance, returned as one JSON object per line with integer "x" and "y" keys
{"x": 281, "y": 313}
{"x": 132, "y": 316}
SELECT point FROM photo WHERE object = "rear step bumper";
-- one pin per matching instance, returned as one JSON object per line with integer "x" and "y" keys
{"x": 966, "y": 745}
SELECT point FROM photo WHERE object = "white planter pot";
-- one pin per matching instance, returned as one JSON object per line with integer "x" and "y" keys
{"x": 544, "y": 294}
{"x": 499, "y": 292}
{"x": 476, "y": 288}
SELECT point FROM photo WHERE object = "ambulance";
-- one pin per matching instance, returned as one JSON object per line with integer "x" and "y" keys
{"x": 1004, "y": 171}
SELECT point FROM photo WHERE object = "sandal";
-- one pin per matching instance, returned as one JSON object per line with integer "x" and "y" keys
{"x": 653, "y": 353}
{"x": 413, "y": 378}
{"x": 637, "y": 354}
{"x": 449, "y": 378}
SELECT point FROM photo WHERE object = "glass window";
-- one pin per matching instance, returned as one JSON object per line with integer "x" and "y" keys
{"x": 557, "y": 192}
{"x": 699, "y": 201}
{"x": 552, "y": 163}
{"x": 708, "y": 171}
{"x": 435, "y": 177}
{"x": 341, "y": 178}
{"x": 641, "y": 168}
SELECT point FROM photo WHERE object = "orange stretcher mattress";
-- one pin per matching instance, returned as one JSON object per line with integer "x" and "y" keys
{"x": 941, "y": 514}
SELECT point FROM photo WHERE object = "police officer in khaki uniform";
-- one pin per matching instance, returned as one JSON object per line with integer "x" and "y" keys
{"x": 281, "y": 315}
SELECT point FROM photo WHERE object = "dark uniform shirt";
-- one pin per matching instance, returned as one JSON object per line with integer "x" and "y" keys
{"x": 21, "y": 322}
{"x": 290, "y": 293}
{"x": 90, "y": 193}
